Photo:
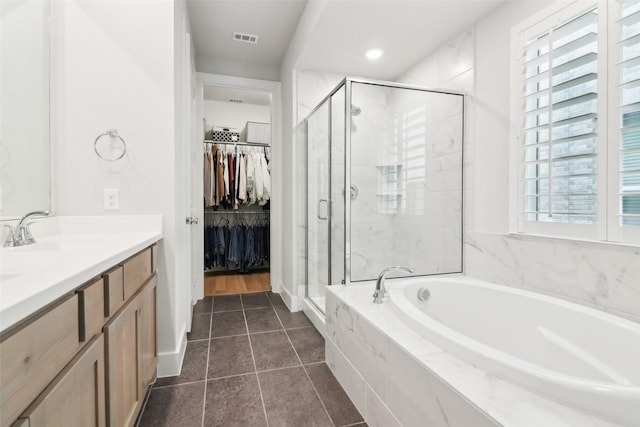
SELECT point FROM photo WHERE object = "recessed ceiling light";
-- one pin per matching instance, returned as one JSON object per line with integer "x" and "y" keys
{"x": 373, "y": 53}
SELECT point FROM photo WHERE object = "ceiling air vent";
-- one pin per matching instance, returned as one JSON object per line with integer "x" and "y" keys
{"x": 247, "y": 38}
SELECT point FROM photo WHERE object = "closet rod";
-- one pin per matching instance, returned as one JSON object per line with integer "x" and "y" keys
{"x": 236, "y": 212}
{"x": 252, "y": 144}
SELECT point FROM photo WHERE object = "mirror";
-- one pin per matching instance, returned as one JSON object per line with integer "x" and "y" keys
{"x": 24, "y": 107}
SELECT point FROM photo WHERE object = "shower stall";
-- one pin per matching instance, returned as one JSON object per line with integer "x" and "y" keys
{"x": 384, "y": 183}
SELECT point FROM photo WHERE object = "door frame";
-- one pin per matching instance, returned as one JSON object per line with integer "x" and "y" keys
{"x": 275, "y": 216}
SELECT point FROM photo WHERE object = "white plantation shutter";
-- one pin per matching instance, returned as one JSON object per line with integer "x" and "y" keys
{"x": 629, "y": 147}
{"x": 560, "y": 121}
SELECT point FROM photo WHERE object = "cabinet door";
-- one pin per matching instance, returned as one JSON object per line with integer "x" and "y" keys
{"x": 147, "y": 333}
{"x": 76, "y": 397}
{"x": 123, "y": 388}
{"x": 34, "y": 355}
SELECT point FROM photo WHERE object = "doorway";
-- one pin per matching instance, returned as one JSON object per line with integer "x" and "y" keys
{"x": 235, "y": 195}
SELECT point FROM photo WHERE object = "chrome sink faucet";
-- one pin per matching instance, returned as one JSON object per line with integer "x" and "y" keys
{"x": 20, "y": 235}
{"x": 380, "y": 292}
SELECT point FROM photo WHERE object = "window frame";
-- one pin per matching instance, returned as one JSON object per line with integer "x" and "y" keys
{"x": 552, "y": 17}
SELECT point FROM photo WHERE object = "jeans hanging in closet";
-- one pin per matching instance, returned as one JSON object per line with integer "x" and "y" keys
{"x": 245, "y": 246}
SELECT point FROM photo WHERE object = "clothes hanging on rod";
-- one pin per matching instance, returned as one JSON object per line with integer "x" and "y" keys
{"x": 233, "y": 178}
{"x": 236, "y": 239}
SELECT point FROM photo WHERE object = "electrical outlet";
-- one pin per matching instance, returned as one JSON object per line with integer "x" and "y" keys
{"x": 111, "y": 199}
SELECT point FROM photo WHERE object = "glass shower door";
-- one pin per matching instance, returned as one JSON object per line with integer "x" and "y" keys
{"x": 318, "y": 205}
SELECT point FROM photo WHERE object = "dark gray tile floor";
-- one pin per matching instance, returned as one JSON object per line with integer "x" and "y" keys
{"x": 251, "y": 362}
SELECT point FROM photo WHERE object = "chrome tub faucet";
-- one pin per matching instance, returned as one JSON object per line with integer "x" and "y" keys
{"x": 378, "y": 295}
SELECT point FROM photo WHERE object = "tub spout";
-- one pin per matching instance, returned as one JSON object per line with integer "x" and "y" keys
{"x": 378, "y": 295}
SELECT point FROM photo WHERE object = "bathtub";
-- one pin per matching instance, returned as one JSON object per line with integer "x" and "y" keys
{"x": 578, "y": 356}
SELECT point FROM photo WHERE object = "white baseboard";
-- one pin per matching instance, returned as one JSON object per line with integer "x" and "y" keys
{"x": 170, "y": 363}
{"x": 291, "y": 301}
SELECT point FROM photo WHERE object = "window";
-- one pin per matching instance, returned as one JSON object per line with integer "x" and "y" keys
{"x": 629, "y": 148}
{"x": 576, "y": 82}
{"x": 561, "y": 122}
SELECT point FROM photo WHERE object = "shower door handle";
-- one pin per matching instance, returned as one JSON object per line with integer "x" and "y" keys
{"x": 326, "y": 217}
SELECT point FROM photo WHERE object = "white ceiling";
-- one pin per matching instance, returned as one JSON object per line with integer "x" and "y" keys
{"x": 214, "y": 21}
{"x": 407, "y": 31}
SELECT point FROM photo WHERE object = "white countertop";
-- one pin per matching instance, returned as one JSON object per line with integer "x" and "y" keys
{"x": 69, "y": 252}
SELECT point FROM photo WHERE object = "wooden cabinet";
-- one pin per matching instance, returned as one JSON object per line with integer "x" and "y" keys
{"x": 76, "y": 397}
{"x": 87, "y": 359}
{"x": 32, "y": 355}
{"x": 131, "y": 356}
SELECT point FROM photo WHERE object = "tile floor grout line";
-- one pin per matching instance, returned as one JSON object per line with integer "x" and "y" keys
{"x": 227, "y": 311}
{"x": 255, "y": 367}
{"x": 234, "y": 375}
{"x": 206, "y": 370}
{"x": 229, "y": 336}
{"x": 179, "y": 384}
{"x": 198, "y": 340}
{"x": 305, "y": 371}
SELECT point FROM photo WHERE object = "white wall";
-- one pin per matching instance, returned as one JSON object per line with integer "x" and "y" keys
{"x": 113, "y": 75}
{"x": 234, "y": 115}
{"x": 601, "y": 275}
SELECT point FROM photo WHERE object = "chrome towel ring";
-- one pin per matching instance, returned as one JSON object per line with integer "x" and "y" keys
{"x": 117, "y": 148}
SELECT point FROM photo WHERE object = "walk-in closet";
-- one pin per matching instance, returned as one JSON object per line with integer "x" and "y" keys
{"x": 236, "y": 190}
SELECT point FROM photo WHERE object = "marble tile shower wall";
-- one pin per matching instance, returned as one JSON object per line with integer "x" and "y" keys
{"x": 372, "y": 226}
{"x": 428, "y": 234}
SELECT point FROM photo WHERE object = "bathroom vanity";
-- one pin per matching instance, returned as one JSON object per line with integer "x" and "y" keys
{"x": 82, "y": 350}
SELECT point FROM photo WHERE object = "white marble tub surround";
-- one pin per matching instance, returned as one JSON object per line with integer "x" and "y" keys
{"x": 69, "y": 251}
{"x": 397, "y": 377}
{"x": 571, "y": 353}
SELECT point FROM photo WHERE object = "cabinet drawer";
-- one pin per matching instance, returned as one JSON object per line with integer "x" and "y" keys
{"x": 33, "y": 356}
{"x": 77, "y": 396}
{"x": 113, "y": 291}
{"x": 136, "y": 271}
{"x": 91, "y": 308}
